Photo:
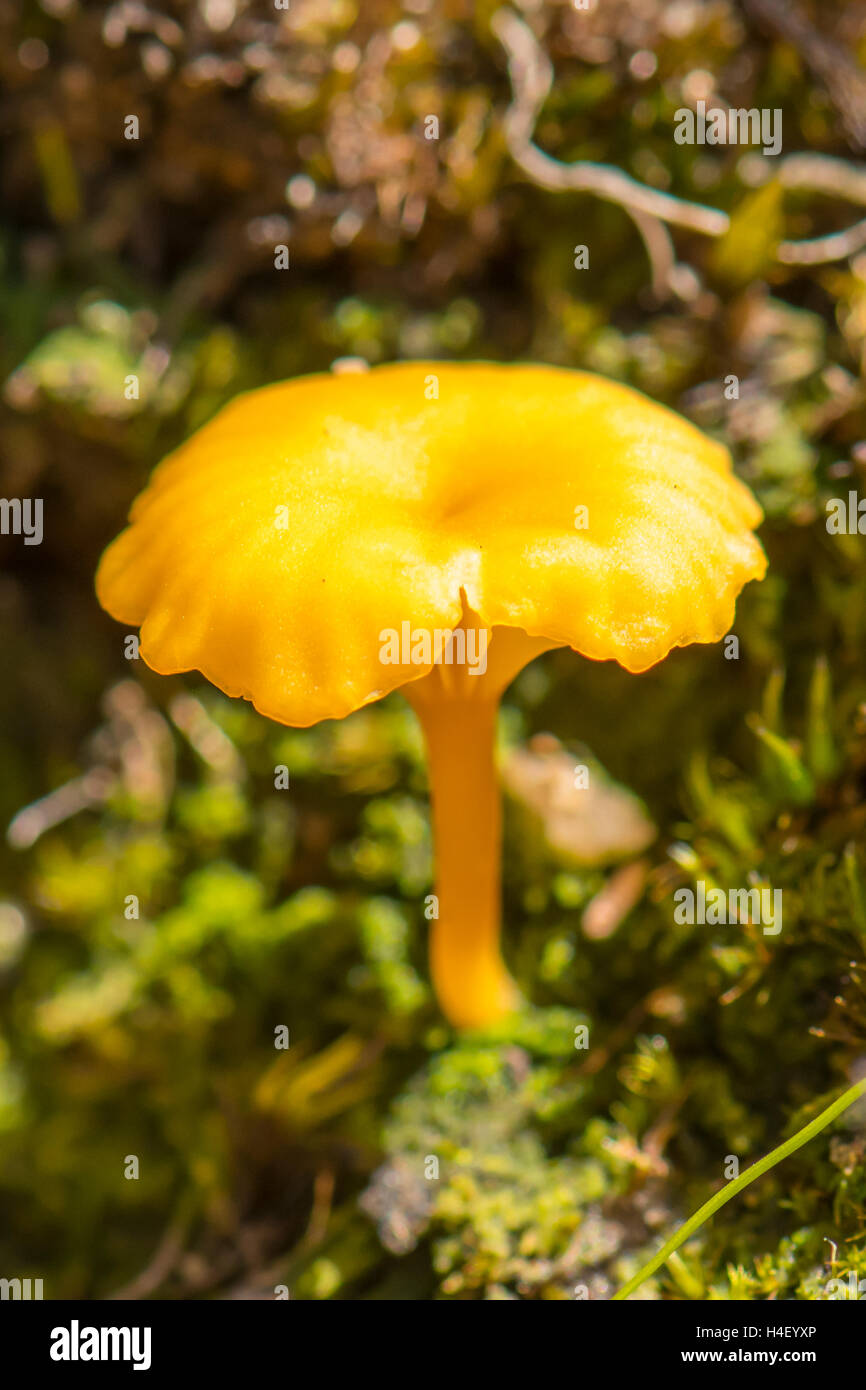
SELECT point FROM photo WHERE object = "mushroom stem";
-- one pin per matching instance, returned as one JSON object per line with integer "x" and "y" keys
{"x": 469, "y": 976}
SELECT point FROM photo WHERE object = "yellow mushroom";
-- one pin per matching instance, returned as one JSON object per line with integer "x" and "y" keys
{"x": 312, "y": 548}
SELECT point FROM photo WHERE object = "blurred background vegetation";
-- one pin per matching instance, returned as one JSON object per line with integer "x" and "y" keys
{"x": 153, "y": 1034}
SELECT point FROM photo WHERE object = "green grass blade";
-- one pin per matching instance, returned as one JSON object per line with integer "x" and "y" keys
{"x": 757, "y": 1170}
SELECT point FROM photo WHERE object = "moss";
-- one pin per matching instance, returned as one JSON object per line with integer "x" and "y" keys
{"x": 151, "y": 1032}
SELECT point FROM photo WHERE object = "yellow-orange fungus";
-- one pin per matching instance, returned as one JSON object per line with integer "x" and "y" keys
{"x": 304, "y": 549}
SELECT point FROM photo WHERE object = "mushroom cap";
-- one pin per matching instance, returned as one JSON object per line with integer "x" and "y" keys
{"x": 273, "y": 549}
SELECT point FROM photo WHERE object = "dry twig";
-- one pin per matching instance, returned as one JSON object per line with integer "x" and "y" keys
{"x": 531, "y": 75}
